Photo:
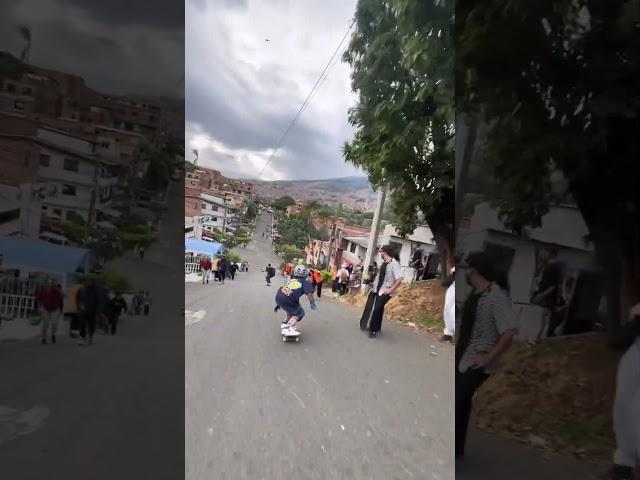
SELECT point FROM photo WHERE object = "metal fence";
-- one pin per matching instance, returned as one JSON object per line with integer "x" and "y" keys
{"x": 18, "y": 297}
{"x": 192, "y": 263}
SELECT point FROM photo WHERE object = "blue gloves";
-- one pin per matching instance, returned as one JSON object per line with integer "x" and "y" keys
{"x": 314, "y": 306}
{"x": 276, "y": 309}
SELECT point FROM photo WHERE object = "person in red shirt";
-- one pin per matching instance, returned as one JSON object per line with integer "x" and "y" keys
{"x": 50, "y": 300}
{"x": 205, "y": 266}
{"x": 318, "y": 279}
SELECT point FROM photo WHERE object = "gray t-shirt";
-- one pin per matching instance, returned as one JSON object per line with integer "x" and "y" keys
{"x": 494, "y": 317}
{"x": 393, "y": 272}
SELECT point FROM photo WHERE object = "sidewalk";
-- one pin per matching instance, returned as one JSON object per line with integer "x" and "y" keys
{"x": 491, "y": 456}
{"x": 19, "y": 330}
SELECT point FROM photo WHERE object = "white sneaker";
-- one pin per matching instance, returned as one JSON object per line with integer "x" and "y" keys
{"x": 291, "y": 332}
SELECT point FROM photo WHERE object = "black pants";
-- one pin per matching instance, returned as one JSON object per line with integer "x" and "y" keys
{"x": 74, "y": 322}
{"x": 466, "y": 385}
{"x": 113, "y": 324}
{"x": 373, "y": 312}
{"x": 319, "y": 288}
{"x": 232, "y": 274}
{"x": 223, "y": 275}
{"x": 268, "y": 279}
{"x": 556, "y": 317}
{"x": 146, "y": 309}
{"x": 342, "y": 288}
{"x": 88, "y": 323}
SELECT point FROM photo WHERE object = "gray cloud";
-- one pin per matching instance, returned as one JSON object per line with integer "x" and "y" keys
{"x": 242, "y": 92}
{"x": 117, "y": 46}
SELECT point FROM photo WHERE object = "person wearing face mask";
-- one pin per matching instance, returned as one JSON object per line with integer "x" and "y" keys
{"x": 386, "y": 282}
{"x": 485, "y": 332}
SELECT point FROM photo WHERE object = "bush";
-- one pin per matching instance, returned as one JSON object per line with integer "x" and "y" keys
{"x": 115, "y": 280}
{"x": 233, "y": 257}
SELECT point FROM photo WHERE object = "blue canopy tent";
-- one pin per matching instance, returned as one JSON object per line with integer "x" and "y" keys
{"x": 202, "y": 247}
{"x": 37, "y": 256}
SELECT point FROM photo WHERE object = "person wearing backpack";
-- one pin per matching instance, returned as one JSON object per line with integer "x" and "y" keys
{"x": 343, "y": 279}
{"x": 270, "y": 273}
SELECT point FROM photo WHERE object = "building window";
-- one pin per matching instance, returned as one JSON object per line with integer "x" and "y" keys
{"x": 11, "y": 87}
{"x": 352, "y": 247}
{"x": 214, "y": 219}
{"x": 57, "y": 212}
{"x": 27, "y": 157}
{"x": 26, "y": 90}
{"x": 214, "y": 208}
{"x": 151, "y": 118}
{"x": 45, "y": 160}
{"x": 71, "y": 165}
{"x": 18, "y": 105}
{"x": 69, "y": 190}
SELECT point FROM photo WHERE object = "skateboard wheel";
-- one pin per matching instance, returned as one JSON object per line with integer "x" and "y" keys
{"x": 297, "y": 339}
{"x": 284, "y": 339}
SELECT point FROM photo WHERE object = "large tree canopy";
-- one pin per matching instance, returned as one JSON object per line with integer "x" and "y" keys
{"x": 401, "y": 55}
{"x": 557, "y": 81}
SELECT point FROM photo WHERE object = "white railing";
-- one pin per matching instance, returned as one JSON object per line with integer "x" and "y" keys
{"x": 18, "y": 297}
{"x": 192, "y": 263}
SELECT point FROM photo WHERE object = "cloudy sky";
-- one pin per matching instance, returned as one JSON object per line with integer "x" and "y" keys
{"x": 118, "y": 46}
{"x": 242, "y": 91}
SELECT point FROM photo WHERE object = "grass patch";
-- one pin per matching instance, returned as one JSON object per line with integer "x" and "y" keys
{"x": 428, "y": 321}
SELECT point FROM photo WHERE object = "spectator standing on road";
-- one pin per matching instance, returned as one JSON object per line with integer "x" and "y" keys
{"x": 141, "y": 252}
{"x": 626, "y": 406}
{"x": 549, "y": 291}
{"x": 89, "y": 306}
{"x": 385, "y": 284}
{"x": 318, "y": 280}
{"x": 233, "y": 268}
{"x": 343, "y": 279}
{"x": 486, "y": 331}
{"x": 216, "y": 268}
{"x": 450, "y": 310}
{"x": 205, "y": 267}
{"x": 223, "y": 267}
{"x": 147, "y": 303}
{"x": 72, "y": 310}
{"x": 116, "y": 306}
{"x": 51, "y": 301}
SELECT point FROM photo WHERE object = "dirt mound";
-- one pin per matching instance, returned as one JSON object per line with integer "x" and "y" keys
{"x": 419, "y": 305}
{"x": 557, "y": 395}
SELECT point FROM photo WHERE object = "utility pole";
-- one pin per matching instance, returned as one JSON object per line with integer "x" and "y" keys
{"x": 94, "y": 193}
{"x": 373, "y": 236}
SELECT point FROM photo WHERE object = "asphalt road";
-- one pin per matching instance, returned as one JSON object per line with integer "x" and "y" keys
{"x": 113, "y": 410}
{"x": 336, "y": 405}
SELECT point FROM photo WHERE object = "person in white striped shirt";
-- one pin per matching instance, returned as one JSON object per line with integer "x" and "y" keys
{"x": 485, "y": 332}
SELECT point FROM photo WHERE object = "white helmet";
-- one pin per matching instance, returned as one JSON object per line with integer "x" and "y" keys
{"x": 300, "y": 271}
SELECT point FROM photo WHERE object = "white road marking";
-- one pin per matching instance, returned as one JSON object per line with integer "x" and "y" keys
{"x": 298, "y": 398}
{"x": 14, "y": 423}
{"x": 191, "y": 318}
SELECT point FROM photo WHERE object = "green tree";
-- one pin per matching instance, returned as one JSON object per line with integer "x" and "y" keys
{"x": 115, "y": 280}
{"x": 289, "y": 253}
{"x": 283, "y": 202}
{"x": 401, "y": 55}
{"x": 295, "y": 231}
{"x": 560, "y": 77}
{"x": 252, "y": 211}
{"x": 234, "y": 257}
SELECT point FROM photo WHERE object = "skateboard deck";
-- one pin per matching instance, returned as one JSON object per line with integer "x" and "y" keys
{"x": 368, "y": 309}
{"x": 288, "y": 336}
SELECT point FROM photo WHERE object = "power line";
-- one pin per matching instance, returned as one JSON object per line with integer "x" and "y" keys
{"x": 306, "y": 101}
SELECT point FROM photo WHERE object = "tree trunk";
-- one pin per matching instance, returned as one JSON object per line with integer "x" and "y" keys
{"x": 615, "y": 237}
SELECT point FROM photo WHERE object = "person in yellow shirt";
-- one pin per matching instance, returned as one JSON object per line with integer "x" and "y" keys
{"x": 215, "y": 268}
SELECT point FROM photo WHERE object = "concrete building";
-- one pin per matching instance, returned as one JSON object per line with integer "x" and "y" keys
{"x": 563, "y": 228}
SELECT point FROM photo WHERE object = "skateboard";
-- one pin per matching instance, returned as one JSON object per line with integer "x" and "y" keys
{"x": 287, "y": 335}
{"x": 368, "y": 309}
